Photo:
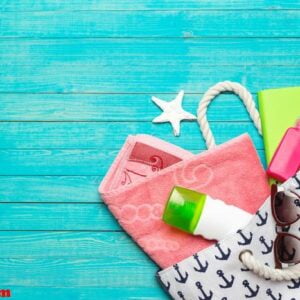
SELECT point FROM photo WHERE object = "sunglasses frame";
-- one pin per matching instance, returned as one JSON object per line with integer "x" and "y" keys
{"x": 274, "y": 192}
{"x": 278, "y": 261}
{"x": 280, "y": 235}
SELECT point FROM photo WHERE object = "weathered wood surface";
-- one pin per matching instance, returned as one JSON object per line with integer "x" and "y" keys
{"x": 76, "y": 78}
{"x": 56, "y": 5}
{"x": 154, "y": 23}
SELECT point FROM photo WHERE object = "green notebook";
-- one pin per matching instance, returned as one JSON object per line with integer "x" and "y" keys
{"x": 279, "y": 109}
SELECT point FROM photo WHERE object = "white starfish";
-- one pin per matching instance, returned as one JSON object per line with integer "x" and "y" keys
{"x": 172, "y": 112}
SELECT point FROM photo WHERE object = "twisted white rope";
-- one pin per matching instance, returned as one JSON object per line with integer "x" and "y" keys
{"x": 225, "y": 86}
{"x": 247, "y": 258}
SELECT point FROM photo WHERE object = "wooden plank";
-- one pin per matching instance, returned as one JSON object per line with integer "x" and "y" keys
{"x": 55, "y": 162}
{"x": 63, "y": 293}
{"x": 109, "y": 107}
{"x": 150, "y": 52}
{"x": 111, "y": 135}
{"x": 71, "y": 216}
{"x": 211, "y": 23}
{"x": 50, "y": 253}
{"x": 91, "y": 5}
{"x": 100, "y": 272}
{"x": 67, "y": 188}
{"x": 136, "y": 78}
{"x": 61, "y": 162}
{"x": 66, "y": 244}
{"x": 49, "y": 189}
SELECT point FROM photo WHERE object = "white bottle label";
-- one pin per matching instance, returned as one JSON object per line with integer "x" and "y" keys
{"x": 219, "y": 219}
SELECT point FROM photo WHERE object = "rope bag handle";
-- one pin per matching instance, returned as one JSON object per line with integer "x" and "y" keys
{"x": 211, "y": 93}
{"x": 246, "y": 256}
{"x": 249, "y": 261}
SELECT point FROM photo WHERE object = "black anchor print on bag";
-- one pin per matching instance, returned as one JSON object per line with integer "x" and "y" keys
{"x": 228, "y": 283}
{"x": 202, "y": 268}
{"x": 166, "y": 286}
{"x": 182, "y": 278}
{"x": 262, "y": 220}
{"x": 246, "y": 240}
{"x": 269, "y": 293}
{"x": 298, "y": 182}
{"x": 224, "y": 256}
{"x": 268, "y": 247}
{"x": 253, "y": 293}
{"x": 204, "y": 296}
{"x": 296, "y": 284}
{"x": 180, "y": 294}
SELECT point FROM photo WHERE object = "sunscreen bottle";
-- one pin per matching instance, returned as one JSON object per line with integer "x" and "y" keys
{"x": 200, "y": 214}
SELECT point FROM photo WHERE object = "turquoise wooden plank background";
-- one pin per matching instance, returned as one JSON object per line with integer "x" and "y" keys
{"x": 76, "y": 78}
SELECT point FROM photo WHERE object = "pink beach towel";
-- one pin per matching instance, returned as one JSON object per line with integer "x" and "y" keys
{"x": 146, "y": 169}
{"x": 136, "y": 193}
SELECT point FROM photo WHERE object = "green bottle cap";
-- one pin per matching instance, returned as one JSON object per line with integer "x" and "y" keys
{"x": 184, "y": 208}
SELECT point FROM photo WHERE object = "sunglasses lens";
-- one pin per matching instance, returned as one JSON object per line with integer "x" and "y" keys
{"x": 287, "y": 207}
{"x": 289, "y": 249}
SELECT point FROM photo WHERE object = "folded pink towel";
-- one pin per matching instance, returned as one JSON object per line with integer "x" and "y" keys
{"x": 146, "y": 169}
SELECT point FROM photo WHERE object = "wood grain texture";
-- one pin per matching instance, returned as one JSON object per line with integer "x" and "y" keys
{"x": 109, "y": 107}
{"x": 136, "y": 78}
{"x": 128, "y": 24}
{"x": 50, "y": 188}
{"x": 56, "y": 5}
{"x": 62, "y": 216}
{"x": 94, "y": 272}
{"x": 91, "y": 135}
{"x": 76, "y": 78}
{"x": 65, "y": 244}
{"x": 55, "y": 162}
{"x": 164, "y": 52}
{"x": 83, "y": 293}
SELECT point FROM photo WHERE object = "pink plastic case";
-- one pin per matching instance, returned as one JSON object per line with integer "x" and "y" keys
{"x": 286, "y": 160}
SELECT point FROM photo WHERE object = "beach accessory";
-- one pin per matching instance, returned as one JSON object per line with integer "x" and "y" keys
{"x": 200, "y": 214}
{"x": 172, "y": 112}
{"x": 286, "y": 211}
{"x": 139, "y": 181}
{"x": 285, "y": 206}
{"x": 286, "y": 249}
{"x": 286, "y": 160}
{"x": 279, "y": 108}
{"x": 240, "y": 266}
